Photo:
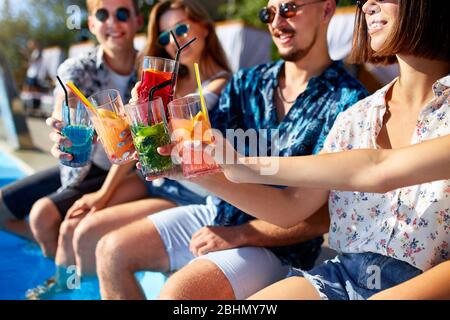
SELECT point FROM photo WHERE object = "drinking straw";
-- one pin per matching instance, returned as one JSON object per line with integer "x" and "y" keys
{"x": 152, "y": 93}
{"x": 67, "y": 99}
{"x": 177, "y": 60}
{"x": 157, "y": 88}
{"x": 81, "y": 96}
{"x": 200, "y": 91}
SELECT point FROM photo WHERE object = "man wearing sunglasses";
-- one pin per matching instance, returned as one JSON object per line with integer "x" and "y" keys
{"x": 234, "y": 255}
{"x": 111, "y": 65}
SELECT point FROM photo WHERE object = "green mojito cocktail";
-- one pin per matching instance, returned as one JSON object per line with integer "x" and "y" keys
{"x": 147, "y": 140}
{"x": 148, "y": 126}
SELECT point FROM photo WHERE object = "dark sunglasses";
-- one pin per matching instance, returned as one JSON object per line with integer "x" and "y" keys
{"x": 180, "y": 29}
{"x": 286, "y": 10}
{"x": 361, "y": 3}
{"x": 122, "y": 14}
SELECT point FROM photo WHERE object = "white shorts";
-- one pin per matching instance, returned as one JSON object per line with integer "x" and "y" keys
{"x": 248, "y": 269}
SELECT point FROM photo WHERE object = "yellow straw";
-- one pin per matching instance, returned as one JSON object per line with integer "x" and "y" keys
{"x": 199, "y": 84}
{"x": 81, "y": 96}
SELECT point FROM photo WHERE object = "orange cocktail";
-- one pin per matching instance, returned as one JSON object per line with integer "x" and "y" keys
{"x": 190, "y": 127}
{"x": 110, "y": 122}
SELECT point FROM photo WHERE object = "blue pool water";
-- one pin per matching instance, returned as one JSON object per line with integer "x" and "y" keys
{"x": 22, "y": 265}
{"x": 9, "y": 171}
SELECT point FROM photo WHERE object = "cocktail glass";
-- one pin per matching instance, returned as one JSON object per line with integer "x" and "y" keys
{"x": 155, "y": 72}
{"x": 78, "y": 129}
{"x": 149, "y": 129}
{"x": 109, "y": 122}
{"x": 190, "y": 126}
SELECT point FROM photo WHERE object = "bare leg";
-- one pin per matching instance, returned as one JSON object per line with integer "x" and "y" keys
{"x": 200, "y": 280}
{"x": 45, "y": 221}
{"x": 65, "y": 256}
{"x": 10, "y": 223}
{"x": 95, "y": 226}
{"x": 131, "y": 189}
{"x": 123, "y": 252}
{"x": 294, "y": 288}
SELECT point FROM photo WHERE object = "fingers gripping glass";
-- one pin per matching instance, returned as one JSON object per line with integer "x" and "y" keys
{"x": 122, "y": 14}
{"x": 286, "y": 10}
{"x": 180, "y": 30}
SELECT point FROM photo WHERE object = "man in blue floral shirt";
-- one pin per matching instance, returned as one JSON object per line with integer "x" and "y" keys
{"x": 233, "y": 255}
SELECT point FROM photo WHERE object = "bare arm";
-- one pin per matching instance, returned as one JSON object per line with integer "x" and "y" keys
{"x": 433, "y": 284}
{"x": 362, "y": 170}
{"x": 284, "y": 208}
{"x": 115, "y": 177}
{"x": 259, "y": 233}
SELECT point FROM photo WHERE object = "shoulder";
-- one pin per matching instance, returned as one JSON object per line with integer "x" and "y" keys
{"x": 261, "y": 71}
{"x": 84, "y": 63}
{"x": 343, "y": 82}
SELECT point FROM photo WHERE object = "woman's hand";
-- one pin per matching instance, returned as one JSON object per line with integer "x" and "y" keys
{"x": 134, "y": 92}
{"x": 168, "y": 151}
{"x": 89, "y": 203}
{"x": 59, "y": 140}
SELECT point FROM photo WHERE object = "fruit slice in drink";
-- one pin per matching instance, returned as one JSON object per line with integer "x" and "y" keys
{"x": 109, "y": 126}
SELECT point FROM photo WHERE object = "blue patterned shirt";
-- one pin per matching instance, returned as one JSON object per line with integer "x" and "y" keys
{"x": 248, "y": 103}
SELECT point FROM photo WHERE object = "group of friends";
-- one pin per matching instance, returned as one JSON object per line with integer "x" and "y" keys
{"x": 371, "y": 171}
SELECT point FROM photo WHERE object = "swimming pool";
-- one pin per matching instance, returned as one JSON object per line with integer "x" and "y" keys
{"x": 22, "y": 265}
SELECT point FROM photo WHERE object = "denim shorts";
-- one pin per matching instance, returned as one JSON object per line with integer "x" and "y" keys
{"x": 357, "y": 276}
{"x": 173, "y": 191}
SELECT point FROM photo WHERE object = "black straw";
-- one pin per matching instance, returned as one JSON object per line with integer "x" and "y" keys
{"x": 177, "y": 60}
{"x": 152, "y": 93}
{"x": 67, "y": 96}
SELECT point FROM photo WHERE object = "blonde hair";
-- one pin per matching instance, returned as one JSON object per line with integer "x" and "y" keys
{"x": 92, "y": 5}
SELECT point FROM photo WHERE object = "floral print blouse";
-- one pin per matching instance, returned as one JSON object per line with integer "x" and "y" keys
{"x": 411, "y": 224}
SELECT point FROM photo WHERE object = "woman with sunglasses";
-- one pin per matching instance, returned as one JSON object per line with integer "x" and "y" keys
{"x": 187, "y": 19}
{"x": 392, "y": 245}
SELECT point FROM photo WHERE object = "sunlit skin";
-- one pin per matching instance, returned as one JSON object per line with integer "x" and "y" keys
{"x": 192, "y": 54}
{"x": 381, "y": 21}
{"x": 115, "y": 37}
{"x": 296, "y": 34}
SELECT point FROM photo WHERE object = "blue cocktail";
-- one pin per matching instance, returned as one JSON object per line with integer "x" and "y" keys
{"x": 79, "y": 130}
{"x": 81, "y": 138}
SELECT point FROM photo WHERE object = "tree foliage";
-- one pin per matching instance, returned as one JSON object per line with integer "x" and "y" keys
{"x": 248, "y": 10}
{"x": 44, "y": 21}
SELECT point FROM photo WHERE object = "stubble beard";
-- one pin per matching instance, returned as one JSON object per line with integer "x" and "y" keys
{"x": 298, "y": 54}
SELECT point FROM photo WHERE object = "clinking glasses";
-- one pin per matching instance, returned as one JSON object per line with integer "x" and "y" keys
{"x": 180, "y": 29}
{"x": 122, "y": 14}
{"x": 286, "y": 10}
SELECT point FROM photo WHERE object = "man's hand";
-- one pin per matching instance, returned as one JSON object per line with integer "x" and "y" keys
{"x": 59, "y": 140}
{"x": 211, "y": 239}
{"x": 89, "y": 203}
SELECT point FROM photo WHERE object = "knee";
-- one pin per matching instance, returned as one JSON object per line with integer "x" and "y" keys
{"x": 110, "y": 253}
{"x": 85, "y": 236}
{"x": 44, "y": 218}
{"x": 67, "y": 230}
{"x": 172, "y": 291}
